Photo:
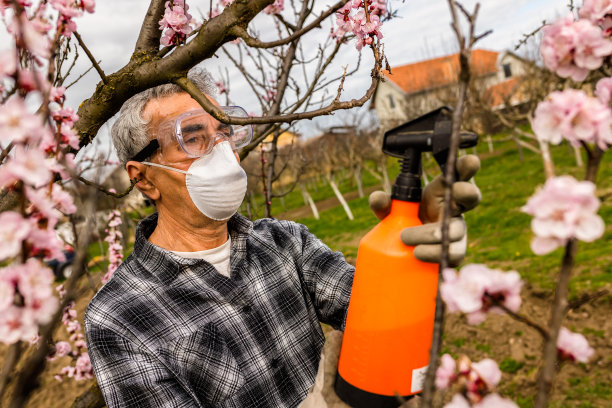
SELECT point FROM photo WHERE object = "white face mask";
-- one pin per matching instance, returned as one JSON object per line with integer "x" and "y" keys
{"x": 215, "y": 182}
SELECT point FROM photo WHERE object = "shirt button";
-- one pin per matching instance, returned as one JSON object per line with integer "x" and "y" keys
{"x": 246, "y": 309}
{"x": 274, "y": 363}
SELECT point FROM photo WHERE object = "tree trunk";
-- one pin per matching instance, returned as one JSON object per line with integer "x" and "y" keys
{"x": 520, "y": 148}
{"x": 549, "y": 166}
{"x": 334, "y": 187}
{"x": 490, "y": 143}
{"x": 385, "y": 173}
{"x": 579, "y": 161}
{"x": 308, "y": 200}
{"x": 357, "y": 174}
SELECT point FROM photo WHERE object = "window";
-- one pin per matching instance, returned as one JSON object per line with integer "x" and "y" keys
{"x": 391, "y": 102}
{"x": 507, "y": 71}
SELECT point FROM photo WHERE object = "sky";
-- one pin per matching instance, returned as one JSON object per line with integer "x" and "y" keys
{"x": 421, "y": 31}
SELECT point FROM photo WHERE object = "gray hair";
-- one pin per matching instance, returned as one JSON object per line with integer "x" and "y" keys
{"x": 129, "y": 132}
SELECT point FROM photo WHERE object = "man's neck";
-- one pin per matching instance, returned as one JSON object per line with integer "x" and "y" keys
{"x": 175, "y": 234}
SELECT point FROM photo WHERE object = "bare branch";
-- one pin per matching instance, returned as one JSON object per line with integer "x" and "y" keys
{"x": 79, "y": 77}
{"x": 465, "y": 50}
{"x": 104, "y": 190}
{"x": 255, "y": 43}
{"x": 218, "y": 114}
{"x": 520, "y": 318}
{"x": 91, "y": 58}
{"x": 547, "y": 371}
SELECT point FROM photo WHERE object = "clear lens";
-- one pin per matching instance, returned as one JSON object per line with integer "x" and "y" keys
{"x": 196, "y": 132}
{"x": 241, "y": 134}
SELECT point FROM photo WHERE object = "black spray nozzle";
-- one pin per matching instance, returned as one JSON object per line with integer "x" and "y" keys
{"x": 428, "y": 133}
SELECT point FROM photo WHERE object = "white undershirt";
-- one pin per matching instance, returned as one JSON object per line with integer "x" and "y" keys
{"x": 218, "y": 257}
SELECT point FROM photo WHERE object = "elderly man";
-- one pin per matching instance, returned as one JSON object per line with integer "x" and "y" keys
{"x": 211, "y": 309}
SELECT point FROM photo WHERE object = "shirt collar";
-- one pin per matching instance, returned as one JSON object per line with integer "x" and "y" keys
{"x": 166, "y": 266}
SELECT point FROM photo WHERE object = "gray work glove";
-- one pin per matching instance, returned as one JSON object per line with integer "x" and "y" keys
{"x": 322, "y": 393}
{"x": 427, "y": 238}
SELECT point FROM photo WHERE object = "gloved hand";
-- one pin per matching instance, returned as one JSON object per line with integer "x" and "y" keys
{"x": 322, "y": 393}
{"x": 427, "y": 238}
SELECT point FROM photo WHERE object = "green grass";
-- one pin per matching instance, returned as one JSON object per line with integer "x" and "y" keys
{"x": 510, "y": 365}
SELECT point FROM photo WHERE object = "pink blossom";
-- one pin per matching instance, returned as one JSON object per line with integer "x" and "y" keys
{"x": 84, "y": 370}
{"x": 365, "y": 28}
{"x": 62, "y": 348}
{"x": 488, "y": 371}
{"x": 115, "y": 249}
{"x": 595, "y": 10}
{"x": 7, "y": 293}
{"x": 65, "y": 116}
{"x": 573, "y": 48}
{"x": 476, "y": 289}
{"x": 445, "y": 374}
{"x": 221, "y": 87}
{"x": 8, "y": 62}
{"x": 35, "y": 280}
{"x": 573, "y": 346}
{"x": 16, "y": 124}
{"x": 89, "y": 5}
{"x": 47, "y": 241}
{"x": 28, "y": 165}
{"x": 495, "y": 401}
{"x": 176, "y": 22}
{"x": 16, "y": 325}
{"x": 573, "y": 115}
{"x": 458, "y": 401}
{"x": 61, "y": 291}
{"x": 13, "y": 230}
{"x": 63, "y": 200}
{"x": 270, "y": 95}
{"x": 80, "y": 344}
{"x": 603, "y": 89}
{"x": 69, "y": 371}
{"x": 66, "y": 26}
{"x": 39, "y": 197}
{"x": 564, "y": 208}
{"x": 28, "y": 34}
{"x": 275, "y": 8}
{"x": 68, "y": 8}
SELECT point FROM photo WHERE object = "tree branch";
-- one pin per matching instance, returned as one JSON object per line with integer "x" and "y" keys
{"x": 255, "y": 43}
{"x": 91, "y": 58}
{"x": 464, "y": 81}
{"x": 547, "y": 372}
{"x": 104, "y": 190}
{"x": 218, "y": 114}
{"x": 144, "y": 72}
{"x": 148, "y": 38}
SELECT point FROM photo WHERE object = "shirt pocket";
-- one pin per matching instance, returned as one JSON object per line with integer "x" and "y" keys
{"x": 205, "y": 363}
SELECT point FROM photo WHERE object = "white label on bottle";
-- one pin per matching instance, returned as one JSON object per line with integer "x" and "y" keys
{"x": 418, "y": 379}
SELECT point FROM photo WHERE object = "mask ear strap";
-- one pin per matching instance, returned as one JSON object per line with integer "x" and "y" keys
{"x": 166, "y": 167}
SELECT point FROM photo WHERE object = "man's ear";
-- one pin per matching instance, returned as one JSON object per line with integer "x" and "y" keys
{"x": 138, "y": 175}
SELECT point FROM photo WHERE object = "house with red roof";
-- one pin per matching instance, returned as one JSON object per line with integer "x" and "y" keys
{"x": 413, "y": 89}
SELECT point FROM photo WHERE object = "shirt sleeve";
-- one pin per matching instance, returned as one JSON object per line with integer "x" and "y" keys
{"x": 129, "y": 377}
{"x": 328, "y": 277}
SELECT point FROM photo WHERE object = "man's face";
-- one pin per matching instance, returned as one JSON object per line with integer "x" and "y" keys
{"x": 171, "y": 184}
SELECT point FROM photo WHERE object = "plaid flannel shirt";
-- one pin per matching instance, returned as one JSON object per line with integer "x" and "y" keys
{"x": 173, "y": 332}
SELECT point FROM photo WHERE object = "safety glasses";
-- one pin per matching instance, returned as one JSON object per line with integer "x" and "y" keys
{"x": 193, "y": 134}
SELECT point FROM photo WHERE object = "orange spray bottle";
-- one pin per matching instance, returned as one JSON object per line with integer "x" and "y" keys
{"x": 389, "y": 325}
